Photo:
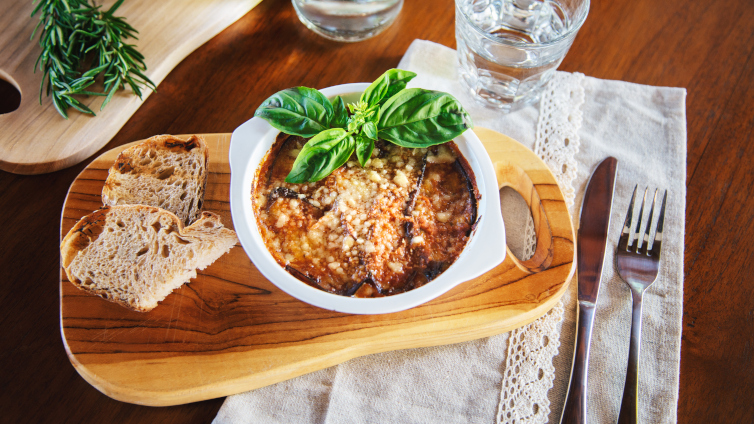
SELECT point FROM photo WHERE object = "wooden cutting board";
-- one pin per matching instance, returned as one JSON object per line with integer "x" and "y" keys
{"x": 36, "y": 139}
{"x": 230, "y": 330}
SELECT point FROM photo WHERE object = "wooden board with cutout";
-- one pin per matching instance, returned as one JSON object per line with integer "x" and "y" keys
{"x": 35, "y": 139}
{"x": 230, "y": 330}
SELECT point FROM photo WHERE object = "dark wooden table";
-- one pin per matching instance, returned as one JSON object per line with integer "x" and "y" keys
{"x": 705, "y": 46}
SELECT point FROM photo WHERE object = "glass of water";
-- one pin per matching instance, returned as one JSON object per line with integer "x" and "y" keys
{"x": 347, "y": 20}
{"x": 509, "y": 49}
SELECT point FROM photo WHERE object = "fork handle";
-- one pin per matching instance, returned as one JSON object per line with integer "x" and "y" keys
{"x": 574, "y": 410}
{"x": 629, "y": 408}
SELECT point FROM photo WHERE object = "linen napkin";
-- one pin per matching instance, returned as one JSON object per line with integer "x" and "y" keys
{"x": 579, "y": 121}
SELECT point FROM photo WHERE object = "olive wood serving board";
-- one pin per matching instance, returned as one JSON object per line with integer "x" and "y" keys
{"x": 230, "y": 330}
{"x": 35, "y": 139}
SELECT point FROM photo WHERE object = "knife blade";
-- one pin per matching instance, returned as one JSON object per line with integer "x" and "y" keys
{"x": 590, "y": 253}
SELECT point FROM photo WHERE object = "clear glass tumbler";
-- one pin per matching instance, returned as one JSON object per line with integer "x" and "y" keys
{"x": 347, "y": 20}
{"x": 509, "y": 49}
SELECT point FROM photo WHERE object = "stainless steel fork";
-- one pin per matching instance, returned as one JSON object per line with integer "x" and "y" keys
{"x": 637, "y": 266}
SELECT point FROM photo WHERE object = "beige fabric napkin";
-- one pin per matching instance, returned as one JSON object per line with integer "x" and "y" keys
{"x": 645, "y": 128}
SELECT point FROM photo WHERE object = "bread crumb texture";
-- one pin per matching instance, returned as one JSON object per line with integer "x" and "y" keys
{"x": 136, "y": 255}
{"x": 163, "y": 171}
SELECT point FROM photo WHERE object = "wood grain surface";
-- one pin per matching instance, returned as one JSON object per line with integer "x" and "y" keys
{"x": 706, "y": 47}
{"x": 35, "y": 138}
{"x": 231, "y": 330}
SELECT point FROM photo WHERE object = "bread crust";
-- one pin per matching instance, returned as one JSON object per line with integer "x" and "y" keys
{"x": 88, "y": 230}
{"x": 131, "y": 161}
{"x": 124, "y": 163}
{"x": 81, "y": 235}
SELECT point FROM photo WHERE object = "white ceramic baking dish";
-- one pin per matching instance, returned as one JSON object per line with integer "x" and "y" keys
{"x": 485, "y": 250}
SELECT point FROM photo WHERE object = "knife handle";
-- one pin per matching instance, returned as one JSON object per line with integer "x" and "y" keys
{"x": 574, "y": 410}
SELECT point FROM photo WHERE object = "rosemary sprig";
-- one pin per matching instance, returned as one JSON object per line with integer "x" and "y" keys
{"x": 79, "y": 43}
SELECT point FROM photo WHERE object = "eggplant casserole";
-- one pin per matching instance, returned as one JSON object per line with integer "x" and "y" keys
{"x": 389, "y": 227}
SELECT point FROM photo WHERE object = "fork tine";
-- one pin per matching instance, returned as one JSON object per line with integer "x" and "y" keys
{"x": 637, "y": 240}
{"x": 645, "y": 246}
{"x": 626, "y": 233}
{"x": 657, "y": 243}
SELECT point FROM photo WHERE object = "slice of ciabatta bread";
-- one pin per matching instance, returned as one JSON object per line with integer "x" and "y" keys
{"x": 136, "y": 255}
{"x": 163, "y": 171}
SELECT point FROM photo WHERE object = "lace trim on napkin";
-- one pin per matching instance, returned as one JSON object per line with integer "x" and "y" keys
{"x": 529, "y": 372}
{"x": 558, "y": 129}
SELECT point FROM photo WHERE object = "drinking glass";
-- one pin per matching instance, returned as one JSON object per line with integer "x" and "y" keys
{"x": 347, "y": 20}
{"x": 509, "y": 49}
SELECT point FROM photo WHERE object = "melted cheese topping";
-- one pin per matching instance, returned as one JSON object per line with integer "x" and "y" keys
{"x": 386, "y": 228}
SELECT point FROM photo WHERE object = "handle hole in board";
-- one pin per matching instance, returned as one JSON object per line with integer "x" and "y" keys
{"x": 10, "y": 95}
{"x": 519, "y": 224}
{"x": 512, "y": 177}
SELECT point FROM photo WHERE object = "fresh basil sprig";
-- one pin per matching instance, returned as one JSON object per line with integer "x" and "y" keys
{"x": 407, "y": 117}
{"x": 298, "y": 111}
{"x": 340, "y": 114}
{"x": 387, "y": 85}
{"x": 419, "y": 118}
{"x": 324, "y": 153}
{"x": 364, "y": 147}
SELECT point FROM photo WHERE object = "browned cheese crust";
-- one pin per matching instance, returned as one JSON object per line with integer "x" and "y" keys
{"x": 383, "y": 229}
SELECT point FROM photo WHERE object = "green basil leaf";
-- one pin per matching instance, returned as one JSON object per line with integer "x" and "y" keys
{"x": 420, "y": 118}
{"x": 364, "y": 147}
{"x": 340, "y": 114}
{"x": 370, "y": 130}
{"x": 384, "y": 87}
{"x": 298, "y": 111}
{"x": 321, "y": 155}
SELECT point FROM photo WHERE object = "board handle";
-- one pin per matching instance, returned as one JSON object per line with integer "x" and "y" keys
{"x": 517, "y": 179}
{"x": 518, "y": 168}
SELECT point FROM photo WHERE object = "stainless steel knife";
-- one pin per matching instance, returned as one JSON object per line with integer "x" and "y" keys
{"x": 590, "y": 252}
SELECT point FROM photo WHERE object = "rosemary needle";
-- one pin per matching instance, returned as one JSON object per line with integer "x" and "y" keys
{"x": 80, "y": 42}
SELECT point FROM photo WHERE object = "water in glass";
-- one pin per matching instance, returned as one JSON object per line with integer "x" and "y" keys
{"x": 347, "y": 20}
{"x": 509, "y": 49}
